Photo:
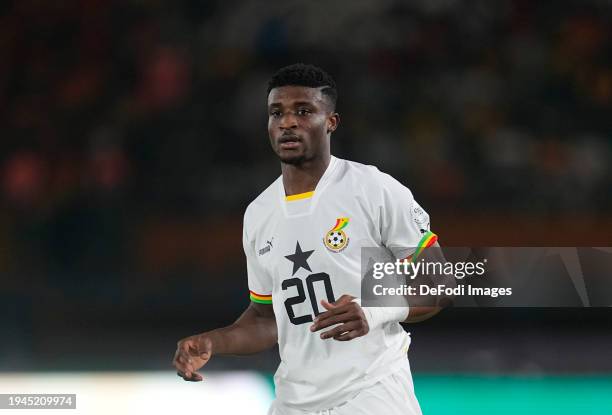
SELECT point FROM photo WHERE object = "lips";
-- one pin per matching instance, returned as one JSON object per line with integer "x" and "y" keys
{"x": 288, "y": 139}
{"x": 288, "y": 142}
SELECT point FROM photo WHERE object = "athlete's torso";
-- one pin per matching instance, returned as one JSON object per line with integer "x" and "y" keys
{"x": 309, "y": 249}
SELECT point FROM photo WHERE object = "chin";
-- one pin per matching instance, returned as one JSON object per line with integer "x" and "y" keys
{"x": 293, "y": 159}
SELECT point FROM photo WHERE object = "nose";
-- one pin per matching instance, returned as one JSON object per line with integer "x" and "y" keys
{"x": 288, "y": 121}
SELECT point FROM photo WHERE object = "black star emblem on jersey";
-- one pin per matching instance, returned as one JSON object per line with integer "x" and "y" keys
{"x": 299, "y": 258}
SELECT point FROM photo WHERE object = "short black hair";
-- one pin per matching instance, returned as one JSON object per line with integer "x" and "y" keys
{"x": 301, "y": 74}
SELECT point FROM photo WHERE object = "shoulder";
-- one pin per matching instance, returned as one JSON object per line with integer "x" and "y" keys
{"x": 373, "y": 181}
{"x": 261, "y": 207}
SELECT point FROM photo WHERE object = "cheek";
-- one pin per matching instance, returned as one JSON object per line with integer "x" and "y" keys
{"x": 270, "y": 128}
{"x": 317, "y": 129}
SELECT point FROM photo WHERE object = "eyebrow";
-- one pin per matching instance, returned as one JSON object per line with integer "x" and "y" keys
{"x": 278, "y": 104}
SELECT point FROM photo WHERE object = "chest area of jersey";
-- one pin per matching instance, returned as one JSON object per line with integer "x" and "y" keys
{"x": 313, "y": 257}
{"x": 322, "y": 242}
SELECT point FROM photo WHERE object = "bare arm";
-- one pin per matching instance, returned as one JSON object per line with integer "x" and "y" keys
{"x": 422, "y": 313}
{"x": 254, "y": 331}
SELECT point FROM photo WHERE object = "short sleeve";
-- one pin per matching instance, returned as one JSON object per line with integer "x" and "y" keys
{"x": 405, "y": 226}
{"x": 260, "y": 283}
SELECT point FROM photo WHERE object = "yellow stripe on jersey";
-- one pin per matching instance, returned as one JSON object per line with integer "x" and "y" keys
{"x": 299, "y": 196}
{"x": 259, "y": 298}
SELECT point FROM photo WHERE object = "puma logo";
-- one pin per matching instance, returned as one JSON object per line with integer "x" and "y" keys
{"x": 266, "y": 248}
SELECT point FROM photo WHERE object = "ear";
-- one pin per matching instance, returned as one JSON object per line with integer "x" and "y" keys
{"x": 332, "y": 122}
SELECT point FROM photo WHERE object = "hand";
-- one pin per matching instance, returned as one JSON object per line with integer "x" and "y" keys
{"x": 191, "y": 354}
{"x": 345, "y": 312}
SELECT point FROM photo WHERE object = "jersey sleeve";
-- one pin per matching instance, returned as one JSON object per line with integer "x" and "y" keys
{"x": 260, "y": 283}
{"x": 404, "y": 225}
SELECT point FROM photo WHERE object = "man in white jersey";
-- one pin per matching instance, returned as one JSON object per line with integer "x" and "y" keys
{"x": 302, "y": 239}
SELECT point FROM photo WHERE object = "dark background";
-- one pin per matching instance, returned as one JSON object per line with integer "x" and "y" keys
{"x": 133, "y": 136}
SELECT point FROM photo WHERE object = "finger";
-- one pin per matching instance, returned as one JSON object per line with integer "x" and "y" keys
{"x": 181, "y": 357}
{"x": 179, "y": 364}
{"x": 194, "y": 350}
{"x": 344, "y": 299}
{"x": 184, "y": 346}
{"x": 327, "y": 314}
{"x": 337, "y": 310}
{"x": 177, "y": 354}
{"x": 349, "y": 336}
{"x": 186, "y": 373}
{"x": 195, "y": 377}
{"x": 331, "y": 320}
{"x": 338, "y": 330}
{"x": 184, "y": 360}
{"x": 327, "y": 305}
{"x": 190, "y": 348}
{"x": 185, "y": 367}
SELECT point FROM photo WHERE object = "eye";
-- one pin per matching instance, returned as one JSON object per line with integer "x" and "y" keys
{"x": 304, "y": 111}
{"x": 275, "y": 113}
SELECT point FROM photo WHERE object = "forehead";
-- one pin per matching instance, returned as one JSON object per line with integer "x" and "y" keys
{"x": 290, "y": 94}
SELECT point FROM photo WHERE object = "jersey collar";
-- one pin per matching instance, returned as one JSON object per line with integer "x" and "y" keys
{"x": 319, "y": 188}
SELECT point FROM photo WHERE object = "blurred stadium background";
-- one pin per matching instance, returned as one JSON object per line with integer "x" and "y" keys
{"x": 134, "y": 136}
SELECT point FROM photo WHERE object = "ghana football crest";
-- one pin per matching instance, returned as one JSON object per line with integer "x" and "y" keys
{"x": 335, "y": 239}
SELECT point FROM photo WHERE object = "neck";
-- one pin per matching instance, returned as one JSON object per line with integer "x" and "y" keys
{"x": 304, "y": 177}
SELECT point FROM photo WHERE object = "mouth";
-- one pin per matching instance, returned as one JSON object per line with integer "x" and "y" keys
{"x": 288, "y": 142}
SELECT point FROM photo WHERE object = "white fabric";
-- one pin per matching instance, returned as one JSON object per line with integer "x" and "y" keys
{"x": 377, "y": 316}
{"x": 316, "y": 373}
{"x": 392, "y": 395}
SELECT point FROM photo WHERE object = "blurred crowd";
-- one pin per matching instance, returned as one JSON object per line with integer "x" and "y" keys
{"x": 123, "y": 121}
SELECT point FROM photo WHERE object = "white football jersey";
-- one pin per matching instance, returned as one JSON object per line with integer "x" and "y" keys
{"x": 304, "y": 248}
